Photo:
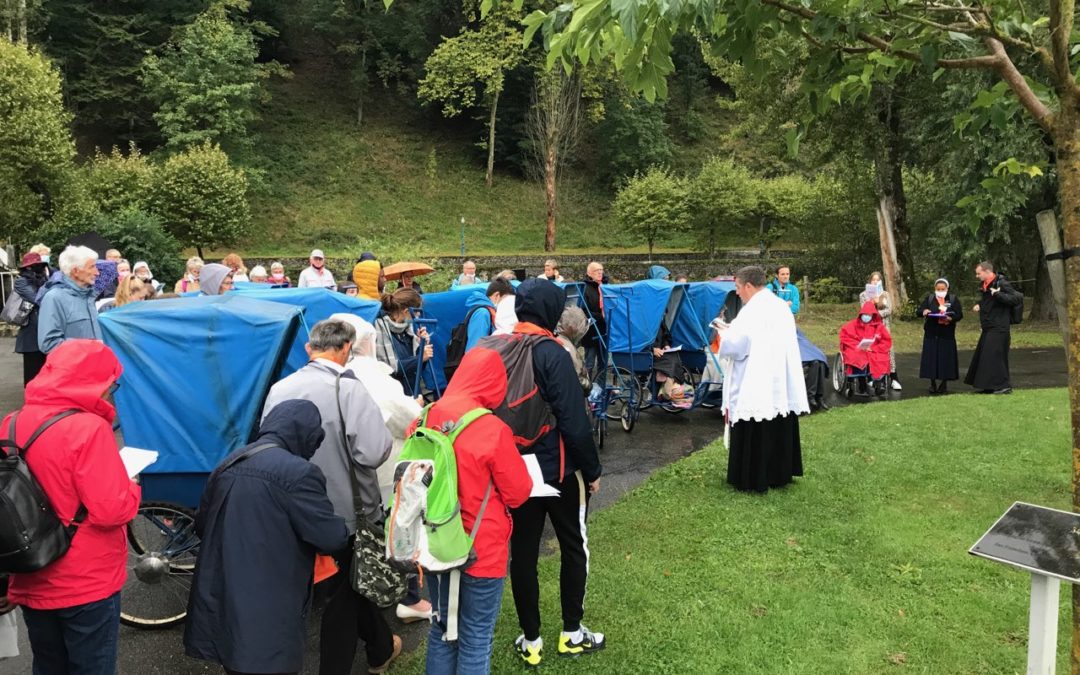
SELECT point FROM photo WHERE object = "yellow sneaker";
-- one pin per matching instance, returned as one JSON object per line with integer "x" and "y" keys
{"x": 531, "y": 656}
{"x": 590, "y": 642}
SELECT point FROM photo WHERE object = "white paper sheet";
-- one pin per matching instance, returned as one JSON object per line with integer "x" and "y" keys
{"x": 540, "y": 488}
{"x": 668, "y": 350}
{"x": 9, "y": 636}
{"x": 136, "y": 460}
{"x": 866, "y": 344}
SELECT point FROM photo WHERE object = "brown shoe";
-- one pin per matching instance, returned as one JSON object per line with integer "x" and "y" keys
{"x": 386, "y": 666}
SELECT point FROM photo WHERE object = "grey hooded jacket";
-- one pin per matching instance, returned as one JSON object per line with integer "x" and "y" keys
{"x": 368, "y": 440}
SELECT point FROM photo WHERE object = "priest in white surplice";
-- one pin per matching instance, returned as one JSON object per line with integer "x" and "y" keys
{"x": 765, "y": 392}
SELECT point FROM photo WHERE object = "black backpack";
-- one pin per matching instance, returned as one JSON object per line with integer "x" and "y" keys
{"x": 1016, "y": 312}
{"x": 31, "y": 535}
{"x": 455, "y": 351}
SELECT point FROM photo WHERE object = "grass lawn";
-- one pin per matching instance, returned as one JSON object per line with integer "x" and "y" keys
{"x": 859, "y": 567}
{"x": 822, "y": 323}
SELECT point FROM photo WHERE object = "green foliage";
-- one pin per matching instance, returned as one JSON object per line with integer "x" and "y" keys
{"x": 724, "y": 197}
{"x": 119, "y": 182}
{"x": 99, "y": 46}
{"x": 653, "y": 206}
{"x": 828, "y": 290}
{"x": 36, "y": 148}
{"x": 206, "y": 80}
{"x": 200, "y": 198}
{"x": 142, "y": 236}
{"x": 469, "y": 68}
{"x": 631, "y": 138}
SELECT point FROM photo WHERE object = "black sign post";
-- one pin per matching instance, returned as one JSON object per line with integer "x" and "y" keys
{"x": 1046, "y": 543}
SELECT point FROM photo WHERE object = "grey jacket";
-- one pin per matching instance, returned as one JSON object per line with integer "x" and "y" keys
{"x": 368, "y": 440}
{"x": 67, "y": 312}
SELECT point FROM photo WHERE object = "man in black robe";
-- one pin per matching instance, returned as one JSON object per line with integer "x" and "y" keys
{"x": 989, "y": 370}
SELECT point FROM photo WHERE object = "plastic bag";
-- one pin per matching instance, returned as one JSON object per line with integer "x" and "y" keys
{"x": 9, "y": 635}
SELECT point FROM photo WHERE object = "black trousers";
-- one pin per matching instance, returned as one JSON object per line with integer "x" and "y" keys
{"x": 568, "y": 513}
{"x": 814, "y": 374}
{"x": 349, "y": 616}
{"x": 32, "y": 363}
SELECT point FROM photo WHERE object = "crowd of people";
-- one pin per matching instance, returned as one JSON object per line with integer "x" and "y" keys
{"x": 324, "y": 464}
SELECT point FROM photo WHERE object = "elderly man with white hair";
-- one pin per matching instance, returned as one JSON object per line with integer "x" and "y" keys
{"x": 67, "y": 308}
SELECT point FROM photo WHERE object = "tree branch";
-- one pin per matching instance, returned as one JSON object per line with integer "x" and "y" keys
{"x": 1006, "y": 69}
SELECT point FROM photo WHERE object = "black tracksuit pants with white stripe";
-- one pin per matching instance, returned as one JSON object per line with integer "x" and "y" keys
{"x": 567, "y": 513}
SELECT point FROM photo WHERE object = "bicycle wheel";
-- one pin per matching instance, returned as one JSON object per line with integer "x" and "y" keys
{"x": 162, "y": 547}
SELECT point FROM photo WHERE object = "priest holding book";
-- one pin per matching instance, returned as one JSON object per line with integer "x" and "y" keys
{"x": 765, "y": 392}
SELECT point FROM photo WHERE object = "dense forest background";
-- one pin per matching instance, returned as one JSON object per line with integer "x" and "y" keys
{"x": 274, "y": 126}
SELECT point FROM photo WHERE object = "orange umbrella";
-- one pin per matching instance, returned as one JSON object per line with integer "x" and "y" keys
{"x": 394, "y": 272}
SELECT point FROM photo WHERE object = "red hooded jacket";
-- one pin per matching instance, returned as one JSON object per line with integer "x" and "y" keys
{"x": 485, "y": 452}
{"x": 855, "y": 331}
{"x": 77, "y": 461}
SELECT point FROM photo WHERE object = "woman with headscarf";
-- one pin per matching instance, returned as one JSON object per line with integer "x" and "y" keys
{"x": 216, "y": 279}
{"x": 939, "y": 311}
{"x": 399, "y": 411}
{"x": 397, "y": 344}
{"x": 142, "y": 271}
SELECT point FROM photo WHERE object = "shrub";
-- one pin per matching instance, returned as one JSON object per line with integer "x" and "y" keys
{"x": 828, "y": 290}
{"x": 200, "y": 198}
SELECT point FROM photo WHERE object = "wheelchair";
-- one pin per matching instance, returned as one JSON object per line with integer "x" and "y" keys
{"x": 850, "y": 382}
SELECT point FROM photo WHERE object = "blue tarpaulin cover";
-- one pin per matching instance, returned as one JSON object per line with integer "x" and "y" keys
{"x": 701, "y": 304}
{"x": 634, "y": 311}
{"x": 449, "y": 309}
{"x": 196, "y": 371}
{"x": 317, "y": 304}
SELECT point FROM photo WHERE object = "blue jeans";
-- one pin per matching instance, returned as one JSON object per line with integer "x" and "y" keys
{"x": 79, "y": 640}
{"x": 478, "y": 607}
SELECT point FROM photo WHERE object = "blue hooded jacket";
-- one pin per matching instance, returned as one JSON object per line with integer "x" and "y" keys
{"x": 481, "y": 323}
{"x": 261, "y": 522}
{"x": 67, "y": 312}
{"x": 659, "y": 272}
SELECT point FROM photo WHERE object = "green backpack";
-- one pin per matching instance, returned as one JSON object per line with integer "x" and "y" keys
{"x": 424, "y": 529}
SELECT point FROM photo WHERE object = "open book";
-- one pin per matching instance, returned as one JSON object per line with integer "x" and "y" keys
{"x": 866, "y": 343}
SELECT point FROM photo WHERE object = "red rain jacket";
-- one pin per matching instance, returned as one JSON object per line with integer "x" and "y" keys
{"x": 77, "y": 461}
{"x": 855, "y": 331}
{"x": 485, "y": 452}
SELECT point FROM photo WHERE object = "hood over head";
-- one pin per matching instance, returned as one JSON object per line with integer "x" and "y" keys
{"x": 141, "y": 264}
{"x": 366, "y": 276}
{"x": 295, "y": 425}
{"x": 364, "y": 345}
{"x": 211, "y": 276}
{"x": 76, "y": 375}
{"x": 659, "y": 272}
{"x": 478, "y": 299}
{"x": 541, "y": 302}
{"x": 479, "y": 382}
{"x": 870, "y": 308}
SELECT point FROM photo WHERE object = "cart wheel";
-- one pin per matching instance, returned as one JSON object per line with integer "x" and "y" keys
{"x": 629, "y": 418}
{"x": 162, "y": 547}
{"x": 838, "y": 377}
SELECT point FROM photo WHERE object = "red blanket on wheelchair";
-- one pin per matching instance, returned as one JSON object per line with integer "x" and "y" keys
{"x": 855, "y": 331}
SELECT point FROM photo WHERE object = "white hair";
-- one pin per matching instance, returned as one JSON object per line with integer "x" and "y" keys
{"x": 74, "y": 257}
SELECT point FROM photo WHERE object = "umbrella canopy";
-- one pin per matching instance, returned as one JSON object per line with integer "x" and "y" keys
{"x": 394, "y": 272}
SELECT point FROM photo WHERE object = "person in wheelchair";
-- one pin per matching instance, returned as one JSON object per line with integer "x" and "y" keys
{"x": 865, "y": 343}
{"x": 668, "y": 369}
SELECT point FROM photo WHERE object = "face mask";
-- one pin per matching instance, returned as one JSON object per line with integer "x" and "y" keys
{"x": 278, "y": 275}
{"x": 865, "y": 318}
{"x": 45, "y": 259}
{"x": 941, "y": 294}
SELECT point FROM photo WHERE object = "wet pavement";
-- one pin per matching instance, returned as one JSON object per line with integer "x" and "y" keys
{"x": 659, "y": 438}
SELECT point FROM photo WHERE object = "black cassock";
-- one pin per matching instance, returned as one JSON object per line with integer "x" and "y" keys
{"x": 939, "y": 359}
{"x": 989, "y": 369}
{"x": 669, "y": 364}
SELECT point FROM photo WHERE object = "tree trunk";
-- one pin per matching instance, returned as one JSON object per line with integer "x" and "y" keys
{"x": 198, "y": 252}
{"x": 1067, "y": 146}
{"x": 1042, "y": 306}
{"x": 550, "y": 166}
{"x": 22, "y": 21}
{"x": 894, "y": 233}
{"x": 491, "y": 140}
{"x": 8, "y": 19}
{"x": 1055, "y": 269}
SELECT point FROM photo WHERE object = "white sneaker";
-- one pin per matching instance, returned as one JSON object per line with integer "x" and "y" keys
{"x": 409, "y": 615}
{"x": 896, "y": 385}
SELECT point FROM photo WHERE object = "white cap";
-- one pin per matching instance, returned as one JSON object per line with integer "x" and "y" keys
{"x": 317, "y": 253}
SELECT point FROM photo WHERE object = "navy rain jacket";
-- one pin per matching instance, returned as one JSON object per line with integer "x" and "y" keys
{"x": 261, "y": 522}
{"x": 570, "y": 444}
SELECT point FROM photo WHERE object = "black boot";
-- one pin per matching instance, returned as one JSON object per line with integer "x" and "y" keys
{"x": 934, "y": 386}
{"x": 943, "y": 387}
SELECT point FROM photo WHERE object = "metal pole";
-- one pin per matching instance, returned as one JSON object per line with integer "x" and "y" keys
{"x": 463, "y": 236}
{"x": 1043, "y": 624}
